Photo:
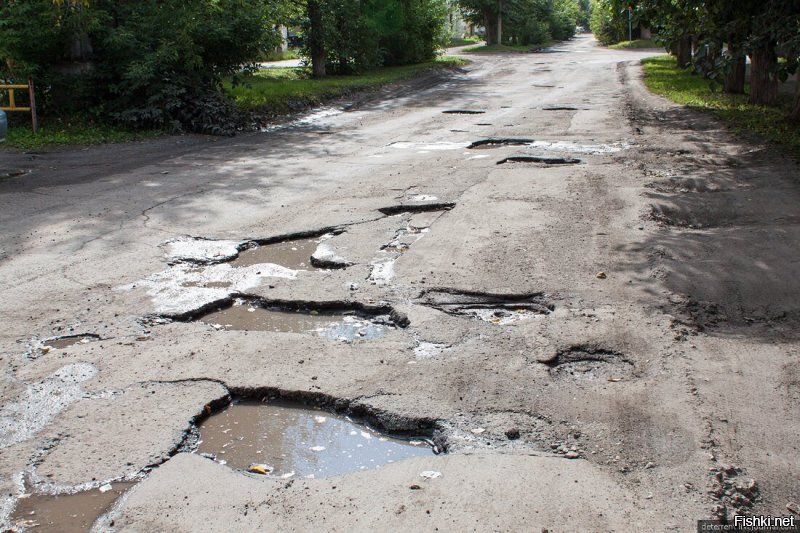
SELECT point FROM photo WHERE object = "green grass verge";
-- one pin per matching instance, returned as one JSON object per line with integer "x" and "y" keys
{"x": 638, "y": 43}
{"x": 662, "y": 77}
{"x": 504, "y": 48}
{"x": 458, "y": 41}
{"x": 280, "y": 56}
{"x": 281, "y": 90}
{"x": 53, "y": 132}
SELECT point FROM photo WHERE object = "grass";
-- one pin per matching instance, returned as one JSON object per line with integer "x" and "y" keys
{"x": 662, "y": 77}
{"x": 459, "y": 41}
{"x": 281, "y": 90}
{"x": 54, "y": 132}
{"x": 281, "y": 56}
{"x": 636, "y": 43}
{"x": 504, "y": 48}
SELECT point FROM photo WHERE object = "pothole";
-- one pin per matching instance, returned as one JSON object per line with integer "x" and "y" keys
{"x": 418, "y": 206}
{"x": 463, "y": 112}
{"x": 547, "y": 160}
{"x": 283, "y": 439}
{"x": 335, "y": 321}
{"x": 589, "y": 363}
{"x": 560, "y": 108}
{"x": 66, "y": 512}
{"x": 493, "y": 308}
{"x": 66, "y": 341}
{"x": 14, "y": 174}
{"x": 295, "y": 254}
{"x": 485, "y": 144}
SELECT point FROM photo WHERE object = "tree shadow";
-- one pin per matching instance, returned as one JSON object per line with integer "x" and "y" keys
{"x": 727, "y": 248}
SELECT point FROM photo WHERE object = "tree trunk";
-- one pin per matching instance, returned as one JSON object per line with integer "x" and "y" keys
{"x": 316, "y": 39}
{"x": 794, "y": 116}
{"x": 489, "y": 27}
{"x": 763, "y": 82}
{"x": 684, "y": 51}
{"x": 500, "y": 22}
{"x": 735, "y": 78}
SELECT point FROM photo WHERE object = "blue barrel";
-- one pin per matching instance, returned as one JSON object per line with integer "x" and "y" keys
{"x": 3, "y": 125}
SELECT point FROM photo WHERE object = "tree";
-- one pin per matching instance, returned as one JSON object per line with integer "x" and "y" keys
{"x": 150, "y": 63}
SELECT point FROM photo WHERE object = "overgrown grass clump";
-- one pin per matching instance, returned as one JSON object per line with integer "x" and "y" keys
{"x": 53, "y": 132}
{"x": 637, "y": 43}
{"x": 282, "y": 90}
{"x": 681, "y": 86}
{"x": 504, "y": 48}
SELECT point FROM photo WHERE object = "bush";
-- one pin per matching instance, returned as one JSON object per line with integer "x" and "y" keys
{"x": 607, "y": 25}
{"x": 145, "y": 64}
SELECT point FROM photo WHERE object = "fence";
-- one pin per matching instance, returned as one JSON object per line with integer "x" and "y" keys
{"x": 12, "y": 101}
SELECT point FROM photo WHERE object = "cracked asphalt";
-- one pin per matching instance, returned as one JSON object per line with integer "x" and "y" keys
{"x": 602, "y": 331}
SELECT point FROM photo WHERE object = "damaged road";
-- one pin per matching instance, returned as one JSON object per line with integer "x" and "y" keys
{"x": 590, "y": 334}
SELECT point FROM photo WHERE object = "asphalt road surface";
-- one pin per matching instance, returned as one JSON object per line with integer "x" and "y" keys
{"x": 594, "y": 314}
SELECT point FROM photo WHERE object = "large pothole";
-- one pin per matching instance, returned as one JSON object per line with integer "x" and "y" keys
{"x": 590, "y": 363}
{"x": 485, "y": 144}
{"x": 496, "y": 309}
{"x": 538, "y": 159}
{"x": 286, "y": 439}
{"x": 66, "y": 513}
{"x": 337, "y": 321}
{"x": 65, "y": 341}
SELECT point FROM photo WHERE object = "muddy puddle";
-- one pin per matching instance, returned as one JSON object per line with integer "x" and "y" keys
{"x": 345, "y": 325}
{"x": 70, "y": 340}
{"x": 287, "y": 440}
{"x": 66, "y": 513}
{"x": 290, "y": 254}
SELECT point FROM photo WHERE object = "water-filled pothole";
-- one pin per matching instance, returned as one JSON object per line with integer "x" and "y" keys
{"x": 283, "y": 439}
{"x": 547, "y": 160}
{"x": 332, "y": 322}
{"x": 589, "y": 363}
{"x": 493, "y": 308}
{"x": 463, "y": 112}
{"x": 66, "y": 513}
{"x": 294, "y": 254}
{"x": 485, "y": 144}
{"x": 66, "y": 341}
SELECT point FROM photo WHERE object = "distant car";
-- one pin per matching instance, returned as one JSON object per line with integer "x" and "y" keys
{"x": 3, "y": 125}
{"x": 580, "y": 29}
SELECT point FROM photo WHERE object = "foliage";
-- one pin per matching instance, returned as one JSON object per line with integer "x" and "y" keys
{"x": 723, "y": 32}
{"x": 525, "y": 21}
{"x": 358, "y": 35}
{"x": 608, "y": 25}
{"x": 144, "y": 64}
{"x": 664, "y": 78}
